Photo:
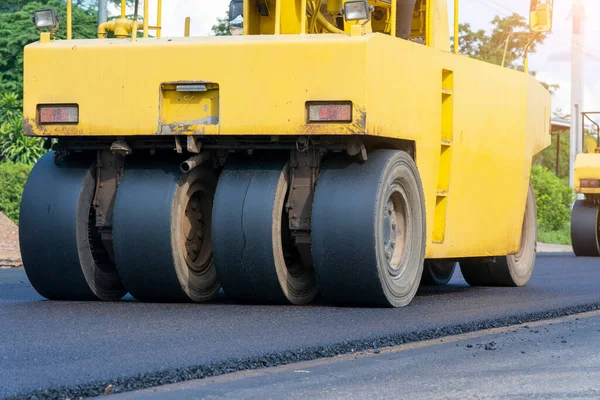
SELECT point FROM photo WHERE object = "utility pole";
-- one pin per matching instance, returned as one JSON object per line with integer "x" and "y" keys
{"x": 577, "y": 85}
{"x": 102, "y": 11}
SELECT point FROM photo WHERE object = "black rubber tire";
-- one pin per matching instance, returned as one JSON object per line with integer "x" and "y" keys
{"x": 355, "y": 209}
{"x": 250, "y": 236}
{"x": 512, "y": 270}
{"x": 151, "y": 230}
{"x": 436, "y": 273}
{"x": 54, "y": 234}
{"x": 584, "y": 229}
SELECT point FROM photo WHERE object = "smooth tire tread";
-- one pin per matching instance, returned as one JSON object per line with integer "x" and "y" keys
{"x": 511, "y": 270}
{"x": 55, "y": 234}
{"x": 255, "y": 258}
{"x": 162, "y": 233}
{"x": 584, "y": 229}
{"x": 368, "y": 232}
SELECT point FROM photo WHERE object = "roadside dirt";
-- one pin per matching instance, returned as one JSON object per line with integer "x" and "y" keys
{"x": 10, "y": 256}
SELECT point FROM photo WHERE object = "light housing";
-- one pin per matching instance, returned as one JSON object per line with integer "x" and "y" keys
{"x": 49, "y": 114}
{"x": 357, "y": 10}
{"x": 589, "y": 183}
{"x": 45, "y": 19}
{"x": 329, "y": 111}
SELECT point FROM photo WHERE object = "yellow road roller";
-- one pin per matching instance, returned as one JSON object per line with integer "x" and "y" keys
{"x": 584, "y": 217}
{"x": 334, "y": 147}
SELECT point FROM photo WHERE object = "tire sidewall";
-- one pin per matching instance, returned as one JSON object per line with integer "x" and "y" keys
{"x": 401, "y": 174}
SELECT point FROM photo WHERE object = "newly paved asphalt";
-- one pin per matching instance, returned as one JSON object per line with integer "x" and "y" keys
{"x": 560, "y": 360}
{"x": 68, "y": 349}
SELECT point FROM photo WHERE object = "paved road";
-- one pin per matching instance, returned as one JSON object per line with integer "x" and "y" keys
{"x": 73, "y": 349}
{"x": 553, "y": 359}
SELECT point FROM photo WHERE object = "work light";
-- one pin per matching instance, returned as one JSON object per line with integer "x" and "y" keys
{"x": 356, "y": 10}
{"x": 44, "y": 19}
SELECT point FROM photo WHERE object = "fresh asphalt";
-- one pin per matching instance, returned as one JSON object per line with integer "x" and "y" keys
{"x": 70, "y": 349}
{"x": 557, "y": 359}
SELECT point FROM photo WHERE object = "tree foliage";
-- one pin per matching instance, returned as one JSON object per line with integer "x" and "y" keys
{"x": 222, "y": 27}
{"x": 553, "y": 196}
{"x": 14, "y": 146}
{"x": 489, "y": 47}
{"x": 12, "y": 181}
{"x": 17, "y": 31}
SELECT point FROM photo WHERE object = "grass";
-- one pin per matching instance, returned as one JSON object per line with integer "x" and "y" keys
{"x": 562, "y": 236}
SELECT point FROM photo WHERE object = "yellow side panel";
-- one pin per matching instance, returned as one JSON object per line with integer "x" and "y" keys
{"x": 500, "y": 122}
{"x": 587, "y": 166}
{"x": 473, "y": 154}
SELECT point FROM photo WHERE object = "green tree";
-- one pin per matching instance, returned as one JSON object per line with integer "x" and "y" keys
{"x": 489, "y": 47}
{"x": 222, "y": 27}
{"x": 12, "y": 181}
{"x": 553, "y": 197}
{"x": 16, "y": 147}
{"x": 17, "y": 31}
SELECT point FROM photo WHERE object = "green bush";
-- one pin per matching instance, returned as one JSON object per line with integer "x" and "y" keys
{"x": 12, "y": 182}
{"x": 553, "y": 197}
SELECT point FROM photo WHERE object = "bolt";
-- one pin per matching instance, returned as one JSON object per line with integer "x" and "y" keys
{"x": 392, "y": 245}
{"x": 388, "y": 254}
{"x": 393, "y": 225}
{"x": 390, "y": 210}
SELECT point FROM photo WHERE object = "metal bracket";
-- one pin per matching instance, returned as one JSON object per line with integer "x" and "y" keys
{"x": 304, "y": 172}
{"x": 109, "y": 171}
{"x": 194, "y": 145}
{"x": 305, "y": 163}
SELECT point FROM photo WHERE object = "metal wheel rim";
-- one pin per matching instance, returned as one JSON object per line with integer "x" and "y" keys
{"x": 395, "y": 225}
{"x": 195, "y": 229}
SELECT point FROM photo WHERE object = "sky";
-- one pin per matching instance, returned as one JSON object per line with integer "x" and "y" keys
{"x": 552, "y": 61}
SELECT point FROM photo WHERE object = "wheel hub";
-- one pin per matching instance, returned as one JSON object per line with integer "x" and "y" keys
{"x": 394, "y": 231}
{"x": 194, "y": 228}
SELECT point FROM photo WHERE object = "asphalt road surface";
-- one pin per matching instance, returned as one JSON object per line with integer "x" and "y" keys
{"x": 558, "y": 358}
{"x": 69, "y": 349}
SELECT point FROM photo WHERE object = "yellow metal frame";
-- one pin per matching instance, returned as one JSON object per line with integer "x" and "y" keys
{"x": 474, "y": 127}
{"x": 124, "y": 24}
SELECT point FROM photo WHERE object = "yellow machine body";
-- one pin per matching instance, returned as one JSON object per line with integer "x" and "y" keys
{"x": 475, "y": 126}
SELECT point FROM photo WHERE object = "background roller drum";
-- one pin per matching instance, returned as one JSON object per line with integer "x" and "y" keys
{"x": 57, "y": 235}
{"x": 584, "y": 229}
{"x": 162, "y": 226}
{"x": 368, "y": 231}
{"x": 437, "y": 273}
{"x": 256, "y": 259}
{"x": 511, "y": 270}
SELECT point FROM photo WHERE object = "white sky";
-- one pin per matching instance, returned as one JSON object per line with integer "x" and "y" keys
{"x": 552, "y": 61}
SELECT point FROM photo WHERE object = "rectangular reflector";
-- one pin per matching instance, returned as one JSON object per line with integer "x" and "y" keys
{"x": 589, "y": 183}
{"x": 330, "y": 111}
{"x": 64, "y": 114}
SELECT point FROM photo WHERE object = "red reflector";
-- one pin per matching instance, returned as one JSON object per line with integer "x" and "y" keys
{"x": 589, "y": 183}
{"x": 59, "y": 114}
{"x": 330, "y": 112}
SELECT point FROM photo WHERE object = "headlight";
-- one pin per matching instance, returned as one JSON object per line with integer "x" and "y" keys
{"x": 44, "y": 19}
{"x": 356, "y": 10}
